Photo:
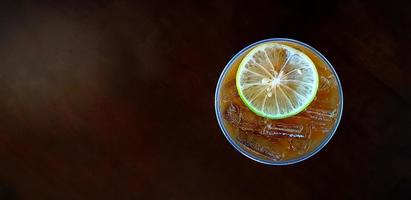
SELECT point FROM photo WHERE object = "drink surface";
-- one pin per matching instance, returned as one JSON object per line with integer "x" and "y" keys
{"x": 284, "y": 139}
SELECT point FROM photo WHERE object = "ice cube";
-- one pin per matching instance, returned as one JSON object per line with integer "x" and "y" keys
{"x": 300, "y": 146}
{"x": 233, "y": 114}
{"x": 326, "y": 83}
{"x": 229, "y": 93}
{"x": 242, "y": 118}
{"x": 327, "y": 97}
{"x": 321, "y": 114}
{"x": 302, "y": 126}
{"x": 284, "y": 130}
{"x": 321, "y": 119}
{"x": 294, "y": 131}
{"x": 258, "y": 145}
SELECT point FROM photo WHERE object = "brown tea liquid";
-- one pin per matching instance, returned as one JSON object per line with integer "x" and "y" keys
{"x": 284, "y": 139}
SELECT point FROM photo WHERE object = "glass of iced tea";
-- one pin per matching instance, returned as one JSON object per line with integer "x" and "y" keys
{"x": 277, "y": 113}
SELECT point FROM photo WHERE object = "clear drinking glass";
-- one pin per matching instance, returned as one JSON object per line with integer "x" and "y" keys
{"x": 241, "y": 148}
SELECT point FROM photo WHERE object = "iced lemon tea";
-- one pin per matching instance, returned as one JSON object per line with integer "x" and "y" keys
{"x": 285, "y": 140}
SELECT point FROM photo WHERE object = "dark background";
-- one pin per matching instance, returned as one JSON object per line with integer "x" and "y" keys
{"x": 114, "y": 99}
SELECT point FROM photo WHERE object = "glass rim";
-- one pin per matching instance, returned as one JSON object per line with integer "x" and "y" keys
{"x": 241, "y": 149}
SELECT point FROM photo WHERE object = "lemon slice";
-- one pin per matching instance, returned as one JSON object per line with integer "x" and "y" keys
{"x": 276, "y": 81}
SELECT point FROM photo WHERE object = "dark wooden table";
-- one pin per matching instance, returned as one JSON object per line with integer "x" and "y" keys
{"x": 114, "y": 99}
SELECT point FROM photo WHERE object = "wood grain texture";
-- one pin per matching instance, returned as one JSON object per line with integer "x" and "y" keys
{"x": 114, "y": 99}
